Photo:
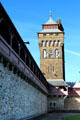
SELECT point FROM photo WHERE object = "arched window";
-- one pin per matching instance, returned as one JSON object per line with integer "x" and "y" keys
{"x": 45, "y": 53}
{"x": 47, "y": 43}
{"x": 27, "y": 60}
{"x": 15, "y": 45}
{"x": 53, "y": 68}
{"x": 22, "y": 54}
{"x": 58, "y": 43}
{"x": 41, "y": 43}
{"x": 57, "y": 53}
{"x": 51, "y": 43}
{"x": 55, "y": 43}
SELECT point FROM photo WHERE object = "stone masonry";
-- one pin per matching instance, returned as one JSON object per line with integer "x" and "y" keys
{"x": 19, "y": 99}
{"x": 51, "y": 66}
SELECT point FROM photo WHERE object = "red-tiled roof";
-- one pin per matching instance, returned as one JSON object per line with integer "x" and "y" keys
{"x": 55, "y": 91}
{"x": 73, "y": 92}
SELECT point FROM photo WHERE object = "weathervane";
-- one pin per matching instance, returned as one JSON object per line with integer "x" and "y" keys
{"x": 50, "y": 14}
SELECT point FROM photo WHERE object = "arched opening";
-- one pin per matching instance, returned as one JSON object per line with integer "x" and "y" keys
{"x": 22, "y": 54}
{"x": 42, "y": 43}
{"x": 58, "y": 43}
{"x": 57, "y": 53}
{"x": 47, "y": 43}
{"x": 15, "y": 45}
{"x": 44, "y": 53}
{"x": 4, "y": 31}
{"x": 27, "y": 60}
{"x": 55, "y": 43}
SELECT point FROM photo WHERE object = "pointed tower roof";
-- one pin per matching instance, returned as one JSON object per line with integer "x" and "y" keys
{"x": 50, "y": 26}
{"x": 50, "y": 21}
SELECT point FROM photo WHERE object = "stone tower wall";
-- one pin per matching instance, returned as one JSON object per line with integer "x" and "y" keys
{"x": 52, "y": 67}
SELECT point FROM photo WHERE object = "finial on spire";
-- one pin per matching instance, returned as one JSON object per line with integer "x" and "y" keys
{"x": 50, "y": 14}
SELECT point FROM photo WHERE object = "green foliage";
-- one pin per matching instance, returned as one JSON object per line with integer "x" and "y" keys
{"x": 76, "y": 117}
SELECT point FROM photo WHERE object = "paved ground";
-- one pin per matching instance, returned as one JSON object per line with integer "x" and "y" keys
{"x": 56, "y": 116}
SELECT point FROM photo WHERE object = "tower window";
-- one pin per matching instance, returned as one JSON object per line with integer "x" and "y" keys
{"x": 51, "y": 43}
{"x": 47, "y": 43}
{"x": 53, "y": 68}
{"x": 55, "y": 43}
{"x": 57, "y": 53}
{"x": 58, "y": 43}
{"x": 42, "y": 43}
{"x": 52, "y": 56}
{"x": 44, "y": 53}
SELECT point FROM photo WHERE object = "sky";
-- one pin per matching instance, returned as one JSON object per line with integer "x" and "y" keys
{"x": 28, "y": 17}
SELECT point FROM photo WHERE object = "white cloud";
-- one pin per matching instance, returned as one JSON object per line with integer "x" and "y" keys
{"x": 72, "y": 52}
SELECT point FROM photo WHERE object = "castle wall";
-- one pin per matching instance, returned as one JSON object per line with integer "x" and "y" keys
{"x": 19, "y": 99}
{"x": 72, "y": 103}
{"x": 55, "y": 103}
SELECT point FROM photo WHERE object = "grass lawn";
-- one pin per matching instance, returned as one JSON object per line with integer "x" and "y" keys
{"x": 74, "y": 117}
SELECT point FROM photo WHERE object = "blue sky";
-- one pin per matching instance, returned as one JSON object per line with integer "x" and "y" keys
{"x": 29, "y": 15}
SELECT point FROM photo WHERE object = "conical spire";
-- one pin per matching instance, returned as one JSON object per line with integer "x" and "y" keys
{"x": 50, "y": 21}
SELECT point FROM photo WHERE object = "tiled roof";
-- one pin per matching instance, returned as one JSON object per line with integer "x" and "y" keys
{"x": 54, "y": 91}
{"x": 73, "y": 92}
{"x": 51, "y": 31}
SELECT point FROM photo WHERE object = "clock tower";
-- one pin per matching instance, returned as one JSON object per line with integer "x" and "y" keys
{"x": 51, "y": 43}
